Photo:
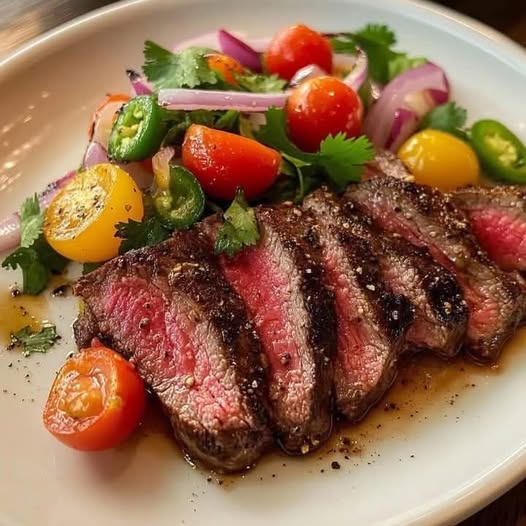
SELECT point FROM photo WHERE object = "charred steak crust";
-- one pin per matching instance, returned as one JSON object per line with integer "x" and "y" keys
{"x": 427, "y": 218}
{"x": 282, "y": 283}
{"x": 441, "y": 313}
{"x": 498, "y": 218}
{"x": 371, "y": 320}
{"x": 180, "y": 274}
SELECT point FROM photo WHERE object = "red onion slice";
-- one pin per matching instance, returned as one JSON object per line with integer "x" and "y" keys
{"x": 308, "y": 72}
{"x": 95, "y": 154}
{"x": 191, "y": 99}
{"x": 211, "y": 40}
{"x": 237, "y": 49}
{"x": 404, "y": 124}
{"x": 138, "y": 83}
{"x": 104, "y": 122}
{"x": 358, "y": 74}
{"x": 409, "y": 90}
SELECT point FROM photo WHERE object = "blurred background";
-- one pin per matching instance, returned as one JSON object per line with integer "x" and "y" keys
{"x": 21, "y": 20}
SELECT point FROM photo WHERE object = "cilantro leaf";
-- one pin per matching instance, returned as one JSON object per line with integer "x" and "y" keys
{"x": 185, "y": 69}
{"x": 448, "y": 117}
{"x": 34, "y": 257}
{"x": 35, "y": 341}
{"x": 260, "y": 83}
{"x": 340, "y": 159}
{"x": 377, "y": 41}
{"x": 137, "y": 234}
{"x": 240, "y": 228}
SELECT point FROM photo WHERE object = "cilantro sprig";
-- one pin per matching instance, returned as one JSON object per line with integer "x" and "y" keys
{"x": 32, "y": 341}
{"x": 240, "y": 228}
{"x": 377, "y": 40}
{"x": 449, "y": 118}
{"x": 339, "y": 159}
{"x": 138, "y": 234}
{"x": 34, "y": 257}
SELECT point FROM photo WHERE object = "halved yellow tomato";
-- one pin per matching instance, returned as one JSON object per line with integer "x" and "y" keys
{"x": 80, "y": 221}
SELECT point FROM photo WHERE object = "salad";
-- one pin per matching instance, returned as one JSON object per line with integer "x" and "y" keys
{"x": 217, "y": 125}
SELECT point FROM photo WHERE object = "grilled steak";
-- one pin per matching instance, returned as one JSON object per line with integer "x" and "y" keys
{"x": 387, "y": 163}
{"x": 498, "y": 219}
{"x": 427, "y": 218}
{"x": 281, "y": 283}
{"x": 441, "y": 314}
{"x": 169, "y": 309}
{"x": 371, "y": 321}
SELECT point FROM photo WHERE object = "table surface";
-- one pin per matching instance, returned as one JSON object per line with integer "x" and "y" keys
{"x": 26, "y": 19}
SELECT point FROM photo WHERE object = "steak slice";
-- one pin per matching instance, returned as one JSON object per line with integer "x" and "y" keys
{"x": 387, "y": 163}
{"x": 281, "y": 282}
{"x": 426, "y": 218}
{"x": 498, "y": 219}
{"x": 441, "y": 313}
{"x": 371, "y": 321}
{"x": 169, "y": 310}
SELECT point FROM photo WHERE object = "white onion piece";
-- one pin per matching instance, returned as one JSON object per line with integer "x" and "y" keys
{"x": 308, "y": 72}
{"x": 139, "y": 85}
{"x": 95, "y": 154}
{"x": 239, "y": 50}
{"x": 191, "y": 99}
{"x": 343, "y": 63}
{"x": 104, "y": 122}
{"x": 358, "y": 74}
{"x": 161, "y": 163}
{"x": 399, "y": 94}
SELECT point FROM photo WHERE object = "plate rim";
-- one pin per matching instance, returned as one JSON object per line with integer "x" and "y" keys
{"x": 460, "y": 502}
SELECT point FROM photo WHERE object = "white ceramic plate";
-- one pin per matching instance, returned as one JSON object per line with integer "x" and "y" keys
{"x": 434, "y": 467}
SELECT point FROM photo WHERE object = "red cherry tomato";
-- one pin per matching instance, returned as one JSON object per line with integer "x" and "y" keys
{"x": 296, "y": 47}
{"x": 226, "y": 66}
{"x": 223, "y": 161}
{"x": 96, "y": 401}
{"x": 319, "y": 107}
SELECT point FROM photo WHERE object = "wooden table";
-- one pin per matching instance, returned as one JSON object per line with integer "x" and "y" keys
{"x": 22, "y": 20}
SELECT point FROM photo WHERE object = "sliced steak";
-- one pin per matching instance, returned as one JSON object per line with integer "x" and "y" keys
{"x": 426, "y": 218}
{"x": 441, "y": 313}
{"x": 169, "y": 310}
{"x": 281, "y": 282}
{"x": 371, "y": 321}
{"x": 387, "y": 163}
{"x": 498, "y": 219}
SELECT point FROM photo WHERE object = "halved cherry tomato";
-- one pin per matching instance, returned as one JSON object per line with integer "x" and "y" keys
{"x": 226, "y": 66}
{"x": 102, "y": 121}
{"x": 96, "y": 401}
{"x": 80, "y": 221}
{"x": 223, "y": 161}
{"x": 296, "y": 47}
{"x": 322, "y": 106}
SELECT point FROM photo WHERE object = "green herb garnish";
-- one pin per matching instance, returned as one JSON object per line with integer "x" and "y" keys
{"x": 449, "y": 118}
{"x": 35, "y": 341}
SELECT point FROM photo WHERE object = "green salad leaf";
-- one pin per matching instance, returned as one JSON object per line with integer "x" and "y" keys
{"x": 35, "y": 341}
{"x": 240, "y": 228}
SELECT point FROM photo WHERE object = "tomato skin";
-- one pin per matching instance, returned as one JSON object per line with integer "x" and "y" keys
{"x": 439, "y": 159}
{"x": 226, "y": 66}
{"x": 295, "y": 47}
{"x": 223, "y": 161}
{"x": 319, "y": 107}
{"x": 106, "y": 412}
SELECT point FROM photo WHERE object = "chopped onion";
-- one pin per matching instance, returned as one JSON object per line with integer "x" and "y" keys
{"x": 95, "y": 154}
{"x": 358, "y": 73}
{"x": 161, "y": 165}
{"x": 10, "y": 225}
{"x": 191, "y": 99}
{"x": 416, "y": 90}
{"x": 138, "y": 83}
{"x": 211, "y": 40}
{"x": 237, "y": 49}
{"x": 308, "y": 72}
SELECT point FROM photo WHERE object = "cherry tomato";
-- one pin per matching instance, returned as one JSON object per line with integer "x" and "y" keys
{"x": 102, "y": 121}
{"x": 226, "y": 66}
{"x": 80, "y": 221}
{"x": 96, "y": 401}
{"x": 319, "y": 107}
{"x": 223, "y": 161}
{"x": 439, "y": 159}
{"x": 296, "y": 47}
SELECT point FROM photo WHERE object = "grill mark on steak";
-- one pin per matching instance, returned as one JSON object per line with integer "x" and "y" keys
{"x": 281, "y": 283}
{"x": 441, "y": 314}
{"x": 169, "y": 310}
{"x": 371, "y": 321}
{"x": 426, "y": 218}
{"x": 498, "y": 218}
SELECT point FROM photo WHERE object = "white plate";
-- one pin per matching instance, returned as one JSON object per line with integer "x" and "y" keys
{"x": 433, "y": 468}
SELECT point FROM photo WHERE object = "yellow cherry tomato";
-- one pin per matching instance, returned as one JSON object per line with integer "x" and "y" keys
{"x": 80, "y": 221}
{"x": 439, "y": 159}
